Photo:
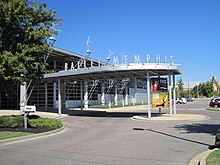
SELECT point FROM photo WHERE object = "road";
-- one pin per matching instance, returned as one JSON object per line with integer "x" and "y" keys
{"x": 119, "y": 140}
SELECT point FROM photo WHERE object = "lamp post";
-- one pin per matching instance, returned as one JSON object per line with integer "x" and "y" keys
{"x": 51, "y": 42}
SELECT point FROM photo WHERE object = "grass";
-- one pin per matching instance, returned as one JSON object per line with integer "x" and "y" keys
{"x": 213, "y": 158}
{"x": 8, "y": 134}
{"x": 213, "y": 108}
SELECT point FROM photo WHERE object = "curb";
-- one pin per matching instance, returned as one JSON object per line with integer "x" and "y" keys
{"x": 200, "y": 159}
{"x": 33, "y": 136}
{"x": 172, "y": 118}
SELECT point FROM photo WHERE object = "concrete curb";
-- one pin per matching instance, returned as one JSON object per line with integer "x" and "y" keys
{"x": 33, "y": 136}
{"x": 200, "y": 159}
{"x": 167, "y": 117}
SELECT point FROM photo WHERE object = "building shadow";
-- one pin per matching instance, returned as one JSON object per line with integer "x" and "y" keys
{"x": 93, "y": 113}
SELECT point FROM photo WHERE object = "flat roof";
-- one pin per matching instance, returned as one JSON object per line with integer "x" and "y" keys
{"x": 138, "y": 70}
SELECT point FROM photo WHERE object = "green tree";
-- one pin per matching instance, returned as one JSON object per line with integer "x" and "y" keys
{"x": 207, "y": 89}
{"x": 25, "y": 29}
{"x": 204, "y": 89}
{"x": 180, "y": 91}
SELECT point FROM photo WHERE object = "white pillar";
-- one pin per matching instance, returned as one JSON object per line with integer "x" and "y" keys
{"x": 174, "y": 95}
{"x": 148, "y": 95}
{"x": 46, "y": 100}
{"x": 23, "y": 96}
{"x": 86, "y": 97}
{"x": 81, "y": 95}
{"x": 116, "y": 94}
{"x": 135, "y": 90}
{"x": 170, "y": 95}
{"x": 63, "y": 94}
{"x": 126, "y": 95}
{"x": 54, "y": 95}
{"x": 103, "y": 94}
{"x": 59, "y": 98}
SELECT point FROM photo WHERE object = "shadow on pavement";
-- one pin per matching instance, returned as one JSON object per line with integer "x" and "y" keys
{"x": 173, "y": 136}
{"x": 199, "y": 128}
{"x": 93, "y": 113}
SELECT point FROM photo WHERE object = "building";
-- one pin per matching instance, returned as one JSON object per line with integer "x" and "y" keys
{"x": 189, "y": 85}
{"x": 78, "y": 81}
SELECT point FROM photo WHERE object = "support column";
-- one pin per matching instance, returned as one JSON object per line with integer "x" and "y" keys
{"x": 59, "y": 97}
{"x": 81, "y": 95}
{"x": 54, "y": 95}
{"x": 126, "y": 95}
{"x": 86, "y": 96}
{"x": 116, "y": 94}
{"x": 103, "y": 93}
{"x": 63, "y": 94}
{"x": 170, "y": 95}
{"x": 23, "y": 96}
{"x": 46, "y": 100}
{"x": 135, "y": 91}
{"x": 148, "y": 95}
{"x": 174, "y": 95}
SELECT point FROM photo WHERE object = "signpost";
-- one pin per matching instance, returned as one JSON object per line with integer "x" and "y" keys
{"x": 27, "y": 110}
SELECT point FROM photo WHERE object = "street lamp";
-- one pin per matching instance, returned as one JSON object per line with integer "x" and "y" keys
{"x": 51, "y": 42}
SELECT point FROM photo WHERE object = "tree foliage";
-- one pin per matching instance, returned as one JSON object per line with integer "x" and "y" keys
{"x": 204, "y": 89}
{"x": 25, "y": 28}
{"x": 180, "y": 92}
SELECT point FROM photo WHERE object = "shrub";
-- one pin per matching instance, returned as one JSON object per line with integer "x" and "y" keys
{"x": 34, "y": 121}
{"x": 11, "y": 121}
{"x": 43, "y": 122}
{"x": 217, "y": 139}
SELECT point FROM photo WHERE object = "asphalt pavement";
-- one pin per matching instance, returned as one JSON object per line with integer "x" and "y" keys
{"x": 114, "y": 137}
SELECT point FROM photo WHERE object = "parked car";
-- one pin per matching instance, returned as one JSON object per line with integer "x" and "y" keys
{"x": 215, "y": 102}
{"x": 181, "y": 101}
{"x": 189, "y": 99}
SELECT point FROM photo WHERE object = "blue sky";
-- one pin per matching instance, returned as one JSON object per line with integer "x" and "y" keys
{"x": 188, "y": 30}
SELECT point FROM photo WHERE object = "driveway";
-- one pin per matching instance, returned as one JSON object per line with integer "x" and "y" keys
{"x": 117, "y": 139}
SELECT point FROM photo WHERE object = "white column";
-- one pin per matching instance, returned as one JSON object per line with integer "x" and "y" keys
{"x": 126, "y": 95}
{"x": 135, "y": 90}
{"x": 170, "y": 95}
{"x": 116, "y": 94}
{"x": 54, "y": 95}
{"x": 103, "y": 94}
{"x": 59, "y": 98}
{"x": 63, "y": 94}
{"x": 148, "y": 95}
{"x": 46, "y": 100}
{"x": 23, "y": 96}
{"x": 81, "y": 95}
{"x": 174, "y": 95}
{"x": 86, "y": 97}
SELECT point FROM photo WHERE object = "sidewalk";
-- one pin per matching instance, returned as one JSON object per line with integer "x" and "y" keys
{"x": 41, "y": 114}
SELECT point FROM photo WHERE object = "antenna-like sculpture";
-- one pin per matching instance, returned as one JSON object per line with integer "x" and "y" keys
{"x": 87, "y": 43}
{"x": 108, "y": 57}
{"x": 53, "y": 27}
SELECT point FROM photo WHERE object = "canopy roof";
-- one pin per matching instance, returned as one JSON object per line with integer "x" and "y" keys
{"x": 138, "y": 70}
